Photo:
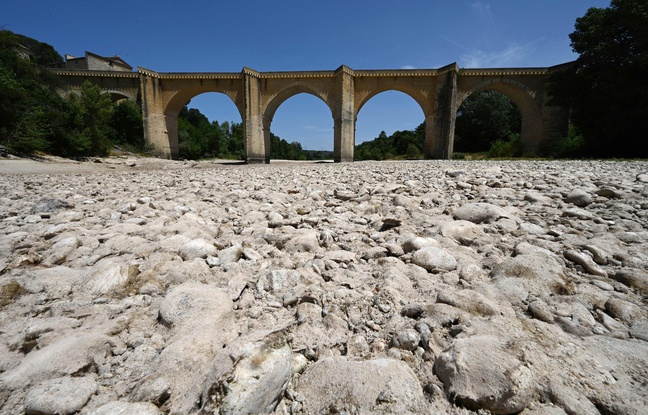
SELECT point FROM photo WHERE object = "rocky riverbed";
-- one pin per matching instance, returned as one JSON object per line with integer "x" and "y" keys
{"x": 135, "y": 286}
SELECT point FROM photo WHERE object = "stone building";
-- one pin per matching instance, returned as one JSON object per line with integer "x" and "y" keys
{"x": 94, "y": 62}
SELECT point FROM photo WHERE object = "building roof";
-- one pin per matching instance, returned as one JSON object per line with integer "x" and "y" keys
{"x": 113, "y": 60}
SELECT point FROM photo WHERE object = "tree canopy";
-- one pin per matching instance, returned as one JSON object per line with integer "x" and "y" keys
{"x": 607, "y": 87}
{"x": 34, "y": 117}
{"x": 407, "y": 144}
{"x": 483, "y": 118}
{"x": 198, "y": 138}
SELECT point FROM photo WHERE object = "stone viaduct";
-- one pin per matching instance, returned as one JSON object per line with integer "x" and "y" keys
{"x": 258, "y": 95}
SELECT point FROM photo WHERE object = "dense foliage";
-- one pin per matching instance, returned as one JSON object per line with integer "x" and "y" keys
{"x": 406, "y": 144}
{"x": 487, "y": 121}
{"x": 34, "y": 117}
{"x": 607, "y": 86}
{"x": 198, "y": 138}
{"x": 484, "y": 118}
{"x": 31, "y": 112}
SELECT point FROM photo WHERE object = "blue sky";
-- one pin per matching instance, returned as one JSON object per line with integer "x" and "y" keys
{"x": 292, "y": 35}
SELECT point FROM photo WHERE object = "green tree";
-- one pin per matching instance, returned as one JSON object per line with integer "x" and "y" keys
{"x": 126, "y": 124}
{"x": 483, "y": 118}
{"x": 198, "y": 138}
{"x": 89, "y": 117}
{"x": 401, "y": 144}
{"x": 31, "y": 112}
{"x": 607, "y": 87}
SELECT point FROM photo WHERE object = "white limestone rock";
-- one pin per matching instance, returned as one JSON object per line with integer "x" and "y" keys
{"x": 60, "y": 396}
{"x": 480, "y": 213}
{"x": 479, "y": 373}
{"x": 55, "y": 360}
{"x": 462, "y": 231}
{"x": 414, "y": 243}
{"x": 250, "y": 375}
{"x": 579, "y": 198}
{"x": 127, "y": 408}
{"x": 434, "y": 259}
{"x": 201, "y": 322}
{"x": 197, "y": 248}
{"x": 377, "y": 385}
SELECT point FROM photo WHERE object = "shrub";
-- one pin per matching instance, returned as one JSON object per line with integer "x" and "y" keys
{"x": 506, "y": 148}
{"x": 573, "y": 145}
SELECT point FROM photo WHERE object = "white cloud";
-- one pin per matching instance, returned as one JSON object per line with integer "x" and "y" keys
{"x": 483, "y": 12}
{"x": 512, "y": 55}
{"x": 407, "y": 67}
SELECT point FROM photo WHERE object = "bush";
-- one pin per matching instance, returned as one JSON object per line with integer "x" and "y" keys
{"x": 571, "y": 146}
{"x": 506, "y": 148}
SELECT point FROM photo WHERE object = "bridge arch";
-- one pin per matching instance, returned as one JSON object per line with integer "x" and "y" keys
{"x": 372, "y": 114}
{"x": 174, "y": 100}
{"x": 287, "y": 93}
{"x": 524, "y": 99}
{"x": 116, "y": 95}
{"x": 426, "y": 106}
{"x": 182, "y": 97}
{"x": 277, "y": 100}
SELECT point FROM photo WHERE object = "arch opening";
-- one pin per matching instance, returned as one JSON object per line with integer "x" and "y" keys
{"x": 208, "y": 125}
{"x": 485, "y": 117}
{"x": 118, "y": 97}
{"x": 520, "y": 140}
{"x": 390, "y": 124}
{"x": 298, "y": 125}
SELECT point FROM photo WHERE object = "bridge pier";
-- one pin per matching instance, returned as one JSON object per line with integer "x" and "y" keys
{"x": 344, "y": 117}
{"x": 439, "y": 126}
{"x": 160, "y": 130}
{"x": 257, "y": 137}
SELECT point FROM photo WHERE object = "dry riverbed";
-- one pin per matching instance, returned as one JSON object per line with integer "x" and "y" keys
{"x": 145, "y": 286}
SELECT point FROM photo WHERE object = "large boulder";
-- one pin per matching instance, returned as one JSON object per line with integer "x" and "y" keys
{"x": 480, "y": 373}
{"x": 202, "y": 324}
{"x": 341, "y": 385}
{"x": 60, "y": 396}
{"x": 250, "y": 375}
{"x": 434, "y": 259}
{"x": 56, "y": 360}
{"x": 127, "y": 408}
{"x": 481, "y": 213}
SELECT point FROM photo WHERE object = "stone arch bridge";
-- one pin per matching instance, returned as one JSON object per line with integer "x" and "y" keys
{"x": 258, "y": 95}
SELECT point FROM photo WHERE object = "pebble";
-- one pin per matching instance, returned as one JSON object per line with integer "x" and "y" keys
{"x": 496, "y": 286}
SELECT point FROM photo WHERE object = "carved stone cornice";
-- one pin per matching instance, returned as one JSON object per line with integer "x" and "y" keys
{"x": 503, "y": 71}
{"x": 310, "y": 74}
{"x": 102, "y": 74}
{"x": 250, "y": 72}
{"x": 345, "y": 70}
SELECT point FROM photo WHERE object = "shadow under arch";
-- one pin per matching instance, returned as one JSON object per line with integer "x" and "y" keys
{"x": 115, "y": 95}
{"x": 524, "y": 99}
{"x": 274, "y": 104}
{"x": 118, "y": 96}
